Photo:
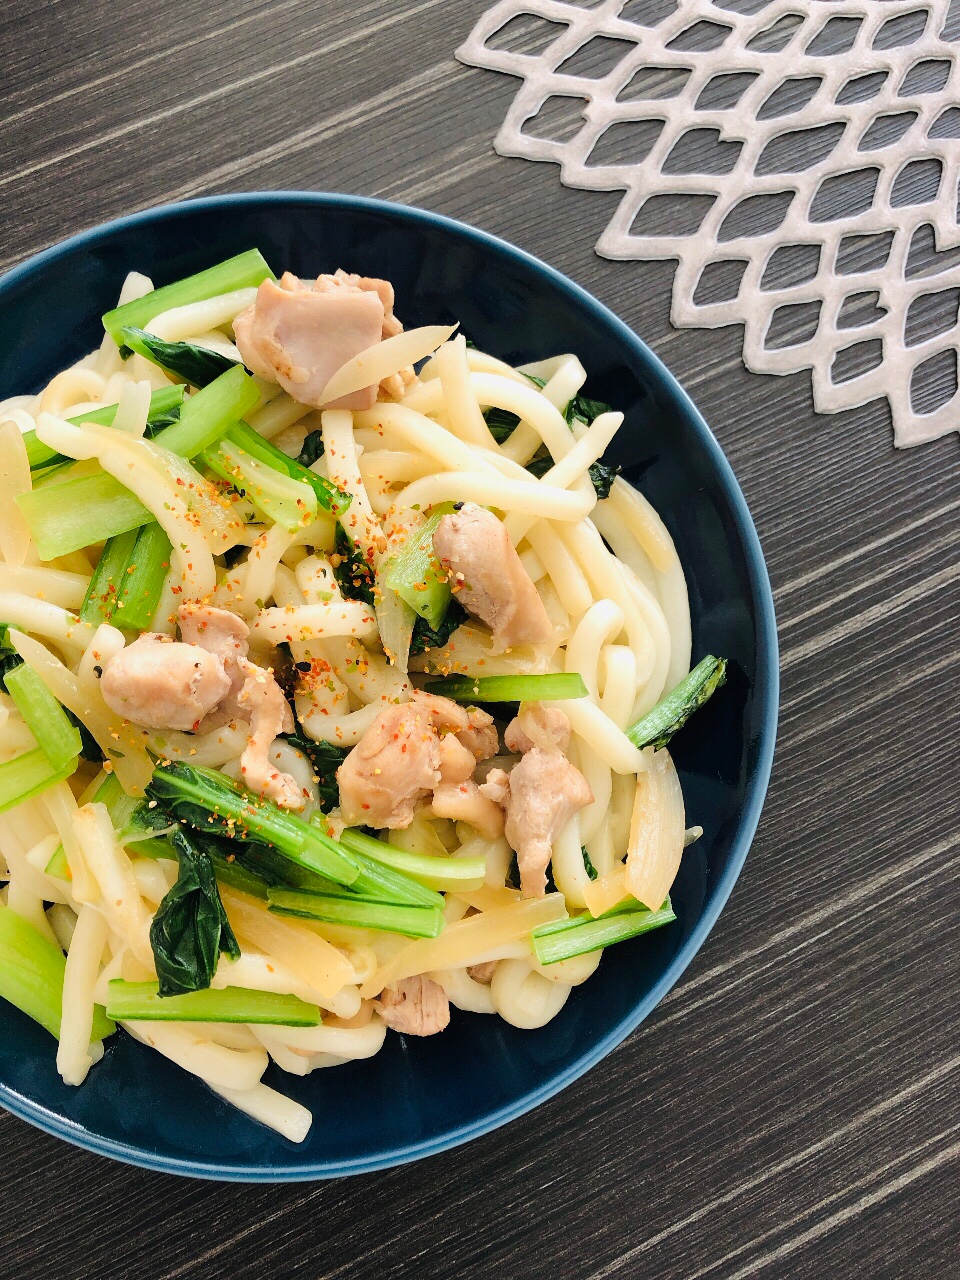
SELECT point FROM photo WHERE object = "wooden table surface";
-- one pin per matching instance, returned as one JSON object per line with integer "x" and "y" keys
{"x": 792, "y": 1109}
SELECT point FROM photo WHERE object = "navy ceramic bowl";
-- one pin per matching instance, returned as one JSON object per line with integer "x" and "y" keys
{"x": 422, "y": 1096}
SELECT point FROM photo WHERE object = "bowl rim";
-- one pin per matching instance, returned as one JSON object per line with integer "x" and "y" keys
{"x": 767, "y": 691}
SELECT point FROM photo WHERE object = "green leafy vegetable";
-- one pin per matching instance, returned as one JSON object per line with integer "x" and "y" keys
{"x": 603, "y": 477}
{"x": 191, "y": 927}
{"x": 412, "y": 921}
{"x": 128, "y": 581}
{"x": 44, "y": 716}
{"x": 578, "y": 935}
{"x": 197, "y": 365}
{"x": 672, "y": 712}
{"x": 144, "y": 1002}
{"x": 545, "y": 688}
{"x": 279, "y": 497}
{"x": 581, "y": 409}
{"x": 354, "y": 576}
{"x": 211, "y": 802}
{"x": 326, "y": 759}
{"x": 31, "y": 976}
{"x": 164, "y": 410}
{"x": 9, "y": 658}
{"x": 426, "y": 637}
{"x": 242, "y": 272}
{"x": 75, "y": 513}
{"x": 416, "y": 574}
{"x": 330, "y": 497}
{"x": 30, "y": 775}
{"x": 208, "y": 414}
{"x": 434, "y": 873}
{"x": 588, "y": 866}
{"x": 311, "y": 449}
{"x": 89, "y": 747}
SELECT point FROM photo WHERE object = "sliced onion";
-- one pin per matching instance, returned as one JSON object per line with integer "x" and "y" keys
{"x": 657, "y": 832}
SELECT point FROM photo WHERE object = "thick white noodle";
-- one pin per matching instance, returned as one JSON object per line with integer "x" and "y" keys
{"x": 270, "y": 1107}
{"x": 463, "y": 411}
{"x": 79, "y": 980}
{"x": 15, "y": 539}
{"x": 183, "y": 1043}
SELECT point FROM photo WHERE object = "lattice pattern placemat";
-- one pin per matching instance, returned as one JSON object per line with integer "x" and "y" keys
{"x": 801, "y": 161}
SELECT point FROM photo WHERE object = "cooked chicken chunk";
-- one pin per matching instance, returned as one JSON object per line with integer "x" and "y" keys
{"x": 540, "y": 794}
{"x": 400, "y": 759}
{"x": 546, "y": 790}
{"x": 162, "y": 683}
{"x": 300, "y": 335}
{"x": 446, "y": 715}
{"x": 480, "y": 735}
{"x": 457, "y": 762}
{"x": 538, "y": 726}
{"x": 415, "y": 1007}
{"x": 393, "y": 766}
{"x": 261, "y": 701}
{"x": 488, "y": 576}
{"x": 224, "y": 634}
{"x": 465, "y": 802}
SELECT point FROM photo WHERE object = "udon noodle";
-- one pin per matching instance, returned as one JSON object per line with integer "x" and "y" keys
{"x": 491, "y": 862}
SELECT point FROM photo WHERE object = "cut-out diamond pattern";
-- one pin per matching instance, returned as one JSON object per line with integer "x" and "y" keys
{"x": 801, "y": 161}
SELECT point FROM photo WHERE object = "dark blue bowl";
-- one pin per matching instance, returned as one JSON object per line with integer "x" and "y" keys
{"x": 422, "y": 1096}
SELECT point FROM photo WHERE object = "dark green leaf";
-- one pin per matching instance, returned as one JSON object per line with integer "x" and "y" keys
{"x": 501, "y": 422}
{"x": 196, "y": 364}
{"x": 540, "y": 463}
{"x": 584, "y": 409}
{"x": 89, "y": 747}
{"x": 9, "y": 658}
{"x": 588, "y": 866}
{"x": 603, "y": 478}
{"x": 351, "y": 571}
{"x": 326, "y": 759}
{"x": 427, "y": 637}
{"x": 311, "y": 449}
{"x": 191, "y": 927}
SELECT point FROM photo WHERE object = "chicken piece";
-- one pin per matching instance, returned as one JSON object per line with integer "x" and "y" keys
{"x": 446, "y": 715}
{"x": 482, "y": 973}
{"x": 394, "y": 765}
{"x": 300, "y": 337}
{"x": 545, "y": 791}
{"x": 162, "y": 683}
{"x": 344, "y": 282}
{"x": 496, "y": 786}
{"x": 538, "y": 726}
{"x": 465, "y": 802}
{"x": 224, "y": 634}
{"x": 480, "y": 735}
{"x": 415, "y": 1007}
{"x": 488, "y": 577}
{"x": 261, "y": 700}
{"x": 396, "y": 384}
{"x": 457, "y": 762}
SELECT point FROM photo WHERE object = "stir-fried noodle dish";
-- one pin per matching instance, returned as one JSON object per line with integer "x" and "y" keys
{"x": 338, "y": 673}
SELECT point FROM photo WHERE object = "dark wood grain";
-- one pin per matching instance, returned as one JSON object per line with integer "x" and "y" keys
{"x": 792, "y": 1109}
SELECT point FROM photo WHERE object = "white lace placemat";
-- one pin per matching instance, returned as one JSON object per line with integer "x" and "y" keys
{"x": 799, "y": 159}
